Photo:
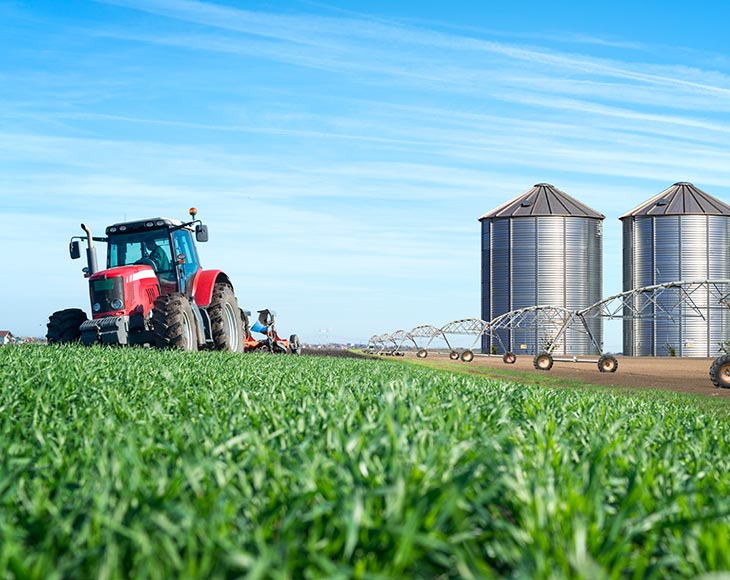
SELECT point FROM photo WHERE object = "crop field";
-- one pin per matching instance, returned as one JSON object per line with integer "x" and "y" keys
{"x": 136, "y": 463}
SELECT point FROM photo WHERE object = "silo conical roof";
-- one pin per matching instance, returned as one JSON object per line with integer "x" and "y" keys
{"x": 542, "y": 199}
{"x": 682, "y": 198}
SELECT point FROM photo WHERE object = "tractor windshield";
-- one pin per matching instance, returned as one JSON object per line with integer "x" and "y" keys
{"x": 151, "y": 248}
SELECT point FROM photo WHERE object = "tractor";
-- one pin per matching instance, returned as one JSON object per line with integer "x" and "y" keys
{"x": 153, "y": 292}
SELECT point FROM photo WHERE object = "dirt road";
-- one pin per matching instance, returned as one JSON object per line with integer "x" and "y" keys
{"x": 686, "y": 375}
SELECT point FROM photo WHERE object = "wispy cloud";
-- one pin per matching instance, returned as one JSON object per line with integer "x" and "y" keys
{"x": 343, "y": 156}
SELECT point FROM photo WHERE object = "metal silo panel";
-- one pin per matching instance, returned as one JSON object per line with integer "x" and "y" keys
{"x": 643, "y": 275}
{"x": 667, "y": 259}
{"x": 550, "y": 272}
{"x": 628, "y": 283}
{"x": 486, "y": 279}
{"x": 500, "y": 273}
{"x": 576, "y": 280}
{"x": 525, "y": 281}
{"x": 718, "y": 242}
{"x": 595, "y": 279}
{"x": 551, "y": 260}
{"x": 583, "y": 279}
{"x": 694, "y": 255}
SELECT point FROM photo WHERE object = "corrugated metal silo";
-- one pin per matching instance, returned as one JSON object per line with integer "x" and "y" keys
{"x": 681, "y": 233}
{"x": 541, "y": 248}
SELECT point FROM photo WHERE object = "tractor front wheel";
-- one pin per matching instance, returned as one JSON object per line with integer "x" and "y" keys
{"x": 720, "y": 372}
{"x": 225, "y": 320}
{"x": 64, "y": 326}
{"x": 173, "y": 322}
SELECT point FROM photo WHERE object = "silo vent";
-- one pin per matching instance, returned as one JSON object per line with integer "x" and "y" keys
{"x": 683, "y": 183}
{"x": 662, "y": 202}
{"x": 526, "y": 203}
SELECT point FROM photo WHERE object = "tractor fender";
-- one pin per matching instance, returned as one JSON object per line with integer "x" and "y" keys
{"x": 203, "y": 285}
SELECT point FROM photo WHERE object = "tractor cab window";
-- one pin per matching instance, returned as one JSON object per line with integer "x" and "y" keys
{"x": 148, "y": 248}
{"x": 184, "y": 246}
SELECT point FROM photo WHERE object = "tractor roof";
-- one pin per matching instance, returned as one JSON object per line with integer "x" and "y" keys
{"x": 149, "y": 224}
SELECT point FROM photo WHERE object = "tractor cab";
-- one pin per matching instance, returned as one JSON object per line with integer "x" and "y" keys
{"x": 164, "y": 244}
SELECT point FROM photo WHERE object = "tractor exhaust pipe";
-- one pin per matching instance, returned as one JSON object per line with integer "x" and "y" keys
{"x": 90, "y": 251}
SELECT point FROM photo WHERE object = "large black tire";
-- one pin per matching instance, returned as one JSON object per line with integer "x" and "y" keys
{"x": 453, "y": 355}
{"x": 64, "y": 326}
{"x": 422, "y": 353}
{"x": 226, "y": 323}
{"x": 543, "y": 361}
{"x": 509, "y": 358}
{"x": 607, "y": 363}
{"x": 295, "y": 347}
{"x": 173, "y": 322}
{"x": 720, "y": 372}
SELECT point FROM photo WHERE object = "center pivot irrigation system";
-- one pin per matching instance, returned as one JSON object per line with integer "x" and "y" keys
{"x": 671, "y": 301}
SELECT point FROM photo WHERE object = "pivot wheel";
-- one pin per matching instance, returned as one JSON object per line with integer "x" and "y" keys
{"x": 295, "y": 347}
{"x": 467, "y": 356}
{"x": 173, "y": 322}
{"x": 543, "y": 361}
{"x": 453, "y": 355}
{"x": 64, "y": 326}
{"x": 509, "y": 358}
{"x": 720, "y": 372}
{"x": 607, "y": 363}
{"x": 422, "y": 353}
{"x": 226, "y": 324}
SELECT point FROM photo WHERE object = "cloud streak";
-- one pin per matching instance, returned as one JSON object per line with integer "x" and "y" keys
{"x": 354, "y": 152}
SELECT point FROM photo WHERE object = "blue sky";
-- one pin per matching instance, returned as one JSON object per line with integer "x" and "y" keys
{"x": 341, "y": 153}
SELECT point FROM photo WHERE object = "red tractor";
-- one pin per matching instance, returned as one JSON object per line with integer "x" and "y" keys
{"x": 154, "y": 292}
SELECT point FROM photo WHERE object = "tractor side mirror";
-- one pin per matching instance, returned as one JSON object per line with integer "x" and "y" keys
{"x": 201, "y": 233}
{"x": 74, "y": 249}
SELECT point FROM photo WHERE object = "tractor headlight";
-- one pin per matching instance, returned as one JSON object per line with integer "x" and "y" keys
{"x": 96, "y": 307}
{"x": 117, "y": 304}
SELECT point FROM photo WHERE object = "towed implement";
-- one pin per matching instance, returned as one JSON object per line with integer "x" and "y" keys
{"x": 154, "y": 292}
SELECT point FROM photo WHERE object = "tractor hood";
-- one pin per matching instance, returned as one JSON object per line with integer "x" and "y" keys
{"x": 123, "y": 291}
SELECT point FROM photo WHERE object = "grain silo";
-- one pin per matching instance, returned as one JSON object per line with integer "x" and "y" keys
{"x": 681, "y": 233}
{"x": 542, "y": 248}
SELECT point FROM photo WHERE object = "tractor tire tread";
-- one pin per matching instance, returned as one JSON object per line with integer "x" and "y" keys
{"x": 222, "y": 295}
{"x": 168, "y": 325}
{"x": 64, "y": 326}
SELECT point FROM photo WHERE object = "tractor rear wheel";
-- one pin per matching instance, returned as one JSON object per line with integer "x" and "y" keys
{"x": 64, "y": 326}
{"x": 720, "y": 372}
{"x": 226, "y": 323}
{"x": 295, "y": 347}
{"x": 173, "y": 322}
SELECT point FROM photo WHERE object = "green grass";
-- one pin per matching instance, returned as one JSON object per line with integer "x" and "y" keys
{"x": 134, "y": 463}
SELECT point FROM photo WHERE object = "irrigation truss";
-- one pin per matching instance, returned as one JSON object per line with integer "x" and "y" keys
{"x": 669, "y": 301}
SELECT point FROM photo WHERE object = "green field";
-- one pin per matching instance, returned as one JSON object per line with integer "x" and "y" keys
{"x": 146, "y": 464}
